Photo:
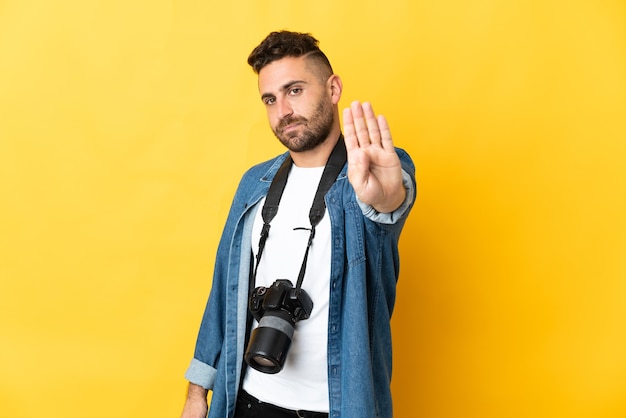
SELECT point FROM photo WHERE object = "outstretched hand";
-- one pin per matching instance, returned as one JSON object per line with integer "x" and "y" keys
{"x": 374, "y": 168}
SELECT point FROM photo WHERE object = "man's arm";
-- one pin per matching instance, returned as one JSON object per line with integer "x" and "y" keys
{"x": 196, "y": 404}
{"x": 374, "y": 169}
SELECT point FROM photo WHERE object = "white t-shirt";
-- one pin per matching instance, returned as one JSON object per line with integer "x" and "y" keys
{"x": 303, "y": 381}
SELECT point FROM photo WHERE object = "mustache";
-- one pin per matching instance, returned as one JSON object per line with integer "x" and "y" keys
{"x": 288, "y": 120}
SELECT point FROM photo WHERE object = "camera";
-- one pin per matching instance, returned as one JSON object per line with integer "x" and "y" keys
{"x": 277, "y": 309}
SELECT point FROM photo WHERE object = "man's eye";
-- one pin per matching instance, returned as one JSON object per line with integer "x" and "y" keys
{"x": 295, "y": 91}
{"x": 269, "y": 100}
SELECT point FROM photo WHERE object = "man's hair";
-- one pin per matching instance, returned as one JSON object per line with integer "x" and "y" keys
{"x": 278, "y": 45}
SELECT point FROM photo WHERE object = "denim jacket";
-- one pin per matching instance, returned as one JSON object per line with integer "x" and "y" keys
{"x": 364, "y": 272}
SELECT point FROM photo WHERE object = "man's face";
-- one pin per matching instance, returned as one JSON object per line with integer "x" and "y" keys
{"x": 298, "y": 103}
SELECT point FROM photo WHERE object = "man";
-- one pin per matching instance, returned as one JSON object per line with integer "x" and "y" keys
{"x": 338, "y": 359}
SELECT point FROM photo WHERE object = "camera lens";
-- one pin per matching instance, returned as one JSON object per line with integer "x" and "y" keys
{"x": 270, "y": 342}
{"x": 262, "y": 361}
{"x": 277, "y": 309}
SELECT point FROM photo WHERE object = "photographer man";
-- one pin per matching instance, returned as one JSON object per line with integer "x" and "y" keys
{"x": 297, "y": 322}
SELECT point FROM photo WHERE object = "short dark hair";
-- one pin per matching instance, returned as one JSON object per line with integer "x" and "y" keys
{"x": 278, "y": 45}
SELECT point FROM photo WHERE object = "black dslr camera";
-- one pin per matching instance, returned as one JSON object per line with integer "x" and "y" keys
{"x": 277, "y": 309}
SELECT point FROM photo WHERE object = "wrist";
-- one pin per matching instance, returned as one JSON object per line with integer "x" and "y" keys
{"x": 196, "y": 393}
{"x": 391, "y": 202}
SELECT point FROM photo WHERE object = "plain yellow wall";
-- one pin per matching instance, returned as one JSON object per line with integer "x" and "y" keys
{"x": 125, "y": 126}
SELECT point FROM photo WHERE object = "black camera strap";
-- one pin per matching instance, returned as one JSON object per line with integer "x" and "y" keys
{"x": 332, "y": 169}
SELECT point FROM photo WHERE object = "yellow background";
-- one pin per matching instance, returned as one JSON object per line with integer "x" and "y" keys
{"x": 125, "y": 126}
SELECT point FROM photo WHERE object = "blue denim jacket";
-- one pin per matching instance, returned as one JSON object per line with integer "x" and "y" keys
{"x": 364, "y": 271}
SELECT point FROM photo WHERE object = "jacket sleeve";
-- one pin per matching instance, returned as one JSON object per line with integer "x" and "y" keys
{"x": 203, "y": 368}
{"x": 222, "y": 314}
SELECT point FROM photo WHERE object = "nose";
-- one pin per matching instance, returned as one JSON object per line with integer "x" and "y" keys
{"x": 283, "y": 108}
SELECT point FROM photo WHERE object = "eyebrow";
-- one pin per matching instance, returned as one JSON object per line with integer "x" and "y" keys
{"x": 284, "y": 87}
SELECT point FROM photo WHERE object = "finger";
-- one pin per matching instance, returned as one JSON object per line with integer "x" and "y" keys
{"x": 360, "y": 126}
{"x": 349, "y": 131}
{"x": 372, "y": 123}
{"x": 356, "y": 172}
{"x": 358, "y": 167}
{"x": 385, "y": 133}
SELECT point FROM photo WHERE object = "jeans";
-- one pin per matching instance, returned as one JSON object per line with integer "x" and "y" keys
{"x": 250, "y": 407}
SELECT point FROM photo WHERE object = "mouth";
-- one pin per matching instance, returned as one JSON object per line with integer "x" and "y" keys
{"x": 290, "y": 124}
{"x": 290, "y": 127}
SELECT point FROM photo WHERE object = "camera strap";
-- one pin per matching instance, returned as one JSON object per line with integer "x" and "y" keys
{"x": 333, "y": 167}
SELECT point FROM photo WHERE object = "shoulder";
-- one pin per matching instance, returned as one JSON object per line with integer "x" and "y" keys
{"x": 256, "y": 180}
{"x": 265, "y": 170}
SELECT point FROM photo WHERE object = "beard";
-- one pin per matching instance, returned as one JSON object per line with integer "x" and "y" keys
{"x": 315, "y": 129}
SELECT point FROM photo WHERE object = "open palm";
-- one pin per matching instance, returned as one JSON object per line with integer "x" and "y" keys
{"x": 374, "y": 168}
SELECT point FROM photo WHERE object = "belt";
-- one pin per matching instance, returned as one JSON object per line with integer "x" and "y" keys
{"x": 248, "y": 405}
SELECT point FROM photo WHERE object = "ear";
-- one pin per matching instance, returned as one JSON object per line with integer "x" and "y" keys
{"x": 335, "y": 87}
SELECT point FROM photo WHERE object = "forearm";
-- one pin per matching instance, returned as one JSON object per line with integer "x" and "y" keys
{"x": 196, "y": 405}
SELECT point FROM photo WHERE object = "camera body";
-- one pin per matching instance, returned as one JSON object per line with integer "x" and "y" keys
{"x": 277, "y": 309}
{"x": 281, "y": 295}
